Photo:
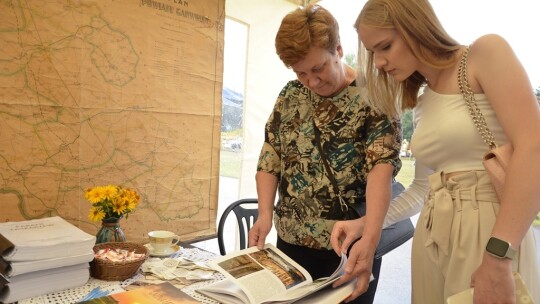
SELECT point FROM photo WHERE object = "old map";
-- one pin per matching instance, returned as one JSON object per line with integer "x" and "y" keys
{"x": 124, "y": 92}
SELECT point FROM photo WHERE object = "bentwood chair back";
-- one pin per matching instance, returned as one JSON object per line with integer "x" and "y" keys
{"x": 245, "y": 217}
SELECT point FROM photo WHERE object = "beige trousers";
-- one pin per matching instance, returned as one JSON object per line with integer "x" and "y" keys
{"x": 451, "y": 234}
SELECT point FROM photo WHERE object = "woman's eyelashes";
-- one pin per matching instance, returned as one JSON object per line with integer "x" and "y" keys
{"x": 318, "y": 69}
{"x": 386, "y": 47}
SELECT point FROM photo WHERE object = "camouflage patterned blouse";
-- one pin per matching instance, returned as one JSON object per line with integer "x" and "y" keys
{"x": 354, "y": 139}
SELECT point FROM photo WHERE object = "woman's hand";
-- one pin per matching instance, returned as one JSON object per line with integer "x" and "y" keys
{"x": 344, "y": 233}
{"x": 359, "y": 265}
{"x": 360, "y": 259}
{"x": 257, "y": 234}
{"x": 493, "y": 281}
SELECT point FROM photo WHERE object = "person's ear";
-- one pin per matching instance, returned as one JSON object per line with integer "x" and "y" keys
{"x": 339, "y": 50}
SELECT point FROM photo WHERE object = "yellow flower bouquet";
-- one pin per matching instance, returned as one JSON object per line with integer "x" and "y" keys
{"x": 111, "y": 202}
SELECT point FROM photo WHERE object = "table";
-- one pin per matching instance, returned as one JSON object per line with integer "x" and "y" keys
{"x": 73, "y": 295}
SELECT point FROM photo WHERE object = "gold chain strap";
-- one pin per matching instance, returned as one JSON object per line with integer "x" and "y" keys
{"x": 468, "y": 95}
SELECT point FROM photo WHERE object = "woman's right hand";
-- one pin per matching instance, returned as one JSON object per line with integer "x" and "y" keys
{"x": 344, "y": 233}
{"x": 259, "y": 231}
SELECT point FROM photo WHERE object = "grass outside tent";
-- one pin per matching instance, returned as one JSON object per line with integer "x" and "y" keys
{"x": 406, "y": 174}
{"x": 230, "y": 163}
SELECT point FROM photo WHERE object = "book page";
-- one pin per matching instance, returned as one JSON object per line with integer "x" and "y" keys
{"x": 329, "y": 294}
{"x": 224, "y": 291}
{"x": 317, "y": 285}
{"x": 261, "y": 274}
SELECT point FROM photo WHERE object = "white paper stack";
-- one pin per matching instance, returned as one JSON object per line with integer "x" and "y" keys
{"x": 42, "y": 256}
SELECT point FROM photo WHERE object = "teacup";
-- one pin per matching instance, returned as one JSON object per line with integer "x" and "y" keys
{"x": 162, "y": 240}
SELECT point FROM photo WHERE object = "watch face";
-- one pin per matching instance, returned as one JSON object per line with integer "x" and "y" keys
{"x": 497, "y": 247}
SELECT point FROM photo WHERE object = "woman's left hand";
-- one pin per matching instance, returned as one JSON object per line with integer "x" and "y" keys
{"x": 493, "y": 281}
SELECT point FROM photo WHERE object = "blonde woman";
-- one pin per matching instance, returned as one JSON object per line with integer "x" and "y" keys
{"x": 462, "y": 224}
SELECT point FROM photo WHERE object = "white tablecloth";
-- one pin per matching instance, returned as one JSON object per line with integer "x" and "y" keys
{"x": 73, "y": 295}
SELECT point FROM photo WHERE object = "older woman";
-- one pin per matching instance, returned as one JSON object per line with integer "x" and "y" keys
{"x": 328, "y": 155}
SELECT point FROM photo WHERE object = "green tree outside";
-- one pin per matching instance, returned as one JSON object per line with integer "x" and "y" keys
{"x": 350, "y": 59}
{"x": 406, "y": 119}
{"x": 407, "y": 124}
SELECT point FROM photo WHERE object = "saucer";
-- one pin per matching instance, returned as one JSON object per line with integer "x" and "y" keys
{"x": 168, "y": 252}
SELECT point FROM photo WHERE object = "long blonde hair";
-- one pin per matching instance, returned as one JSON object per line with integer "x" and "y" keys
{"x": 416, "y": 23}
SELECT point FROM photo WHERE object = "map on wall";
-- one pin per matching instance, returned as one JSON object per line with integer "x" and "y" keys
{"x": 124, "y": 92}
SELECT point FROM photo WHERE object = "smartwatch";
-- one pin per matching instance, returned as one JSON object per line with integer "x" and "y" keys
{"x": 500, "y": 249}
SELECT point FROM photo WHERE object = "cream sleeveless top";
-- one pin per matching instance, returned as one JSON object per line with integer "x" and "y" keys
{"x": 445, "y": 137}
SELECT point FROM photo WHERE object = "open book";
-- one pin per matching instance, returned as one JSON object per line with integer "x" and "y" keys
{"x": 46, "y": 238}
{"x": 270, "y": 277}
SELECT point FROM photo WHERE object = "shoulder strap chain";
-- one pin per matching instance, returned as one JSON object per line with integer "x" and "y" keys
{"x": 468, "y": 95}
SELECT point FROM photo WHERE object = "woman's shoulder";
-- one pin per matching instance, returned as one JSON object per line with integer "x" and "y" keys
{"x": 292, "y": 87}
{"x": 294, "y": 84}
{"x": 488, "y": 46}
{"x": 293, "y": 93}
{"x": 488, "y": 56}
{"x": 489, "y": 39}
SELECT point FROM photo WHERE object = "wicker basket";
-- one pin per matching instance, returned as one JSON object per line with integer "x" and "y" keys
{"x": 117, "y": 271}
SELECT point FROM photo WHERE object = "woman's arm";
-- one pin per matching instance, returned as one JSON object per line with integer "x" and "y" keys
{"x": 495, "y": 70}
{"x": 360, "y": 259}
{"x": 266, "y": 194}
{"x": 406, "y": 204}
{"x": 410, "y": 201}
{"x": 268, "y": 171}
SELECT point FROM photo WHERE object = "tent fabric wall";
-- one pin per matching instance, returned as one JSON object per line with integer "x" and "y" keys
{"x": 265, "y": 77}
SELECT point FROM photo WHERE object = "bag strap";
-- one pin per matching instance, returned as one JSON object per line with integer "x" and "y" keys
{"x": 470, "y": 101}
{"x": 343, "y": 205}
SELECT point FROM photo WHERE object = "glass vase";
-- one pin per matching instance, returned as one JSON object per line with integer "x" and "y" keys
{"x": 110, "y": 231}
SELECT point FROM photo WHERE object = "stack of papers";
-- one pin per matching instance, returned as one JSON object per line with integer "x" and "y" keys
{"x": 42, "y": 256}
